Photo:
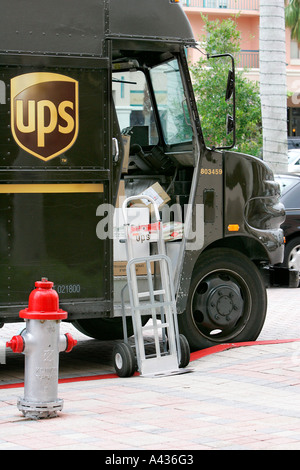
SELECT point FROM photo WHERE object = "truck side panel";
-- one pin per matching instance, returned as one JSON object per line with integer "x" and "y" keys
{"x": 68, "y": 27}
{"x": 54, "y": 173}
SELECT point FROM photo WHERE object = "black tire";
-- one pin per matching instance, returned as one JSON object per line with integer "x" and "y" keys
{"x": 104, "y": 329}
{"x": 227, "y": 300}
{"x": 124, "y": 360}
{"x": 184, "y": 351}
{"x": 292, "y": 254}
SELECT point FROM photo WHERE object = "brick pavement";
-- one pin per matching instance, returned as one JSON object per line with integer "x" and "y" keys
{"x": 240, "y": 398}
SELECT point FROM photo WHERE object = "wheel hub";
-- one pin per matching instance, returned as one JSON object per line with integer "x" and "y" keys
{"x": 119, "y": 360}
{"x": 224, "y": 305}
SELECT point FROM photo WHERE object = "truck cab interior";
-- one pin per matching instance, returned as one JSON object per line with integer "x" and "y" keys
{"x": 153, "y": 117}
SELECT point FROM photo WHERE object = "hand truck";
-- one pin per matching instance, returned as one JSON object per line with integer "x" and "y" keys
{"x": 172, "y": 352}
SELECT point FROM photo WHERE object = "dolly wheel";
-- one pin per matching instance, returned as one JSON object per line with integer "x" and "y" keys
{"x": 124, "y": 360}
{"x": 184, "y": 351}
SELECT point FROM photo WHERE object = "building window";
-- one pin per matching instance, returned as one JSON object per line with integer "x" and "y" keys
{"x": 295, "y": 49}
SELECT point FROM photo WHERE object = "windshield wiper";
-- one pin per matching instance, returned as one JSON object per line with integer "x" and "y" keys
{"x": 116, "y": 80}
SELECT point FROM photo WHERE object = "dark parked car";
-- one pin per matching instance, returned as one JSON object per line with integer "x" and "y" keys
{"x": 294, "y": 142}
{"x": 290, "y": 197}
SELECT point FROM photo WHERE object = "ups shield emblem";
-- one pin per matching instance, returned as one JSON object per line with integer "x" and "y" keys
{"x": 44, "y": 113}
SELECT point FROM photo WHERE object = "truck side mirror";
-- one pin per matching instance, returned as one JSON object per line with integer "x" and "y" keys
{"x": 230, "y": 93}
{"x": 230, "y": 85}
{"x": 229, "y": 124}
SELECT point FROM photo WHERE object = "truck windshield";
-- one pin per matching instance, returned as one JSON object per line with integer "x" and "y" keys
{"x": 171, "y": 102}
{"x": 134, "y": 105}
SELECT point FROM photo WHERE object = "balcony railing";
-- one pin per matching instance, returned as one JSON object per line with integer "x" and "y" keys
{"x": 247, "y": 59}
{"x": 229, "y": 4}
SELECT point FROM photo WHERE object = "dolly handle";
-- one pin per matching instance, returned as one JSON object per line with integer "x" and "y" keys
{"x": 139, "y": 197}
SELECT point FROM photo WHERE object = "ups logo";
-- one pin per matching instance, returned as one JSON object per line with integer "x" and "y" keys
{"x": 44, "y": 113}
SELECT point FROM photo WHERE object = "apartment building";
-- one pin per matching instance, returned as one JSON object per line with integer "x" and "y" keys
{"x": 248, "y": 25}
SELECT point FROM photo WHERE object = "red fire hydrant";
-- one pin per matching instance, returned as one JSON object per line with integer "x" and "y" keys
{"x": 41, "y": 343}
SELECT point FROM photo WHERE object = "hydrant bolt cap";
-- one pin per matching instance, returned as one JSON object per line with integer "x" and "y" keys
{"x": 16, "y": 344}
{"x": 71, "y": 342}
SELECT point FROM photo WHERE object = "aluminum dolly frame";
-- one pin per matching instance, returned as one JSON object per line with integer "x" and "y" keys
{"x": 172, "y": 352}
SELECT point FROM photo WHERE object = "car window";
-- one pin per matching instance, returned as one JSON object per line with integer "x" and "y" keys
{"x": 291, "y": 199}
{"x": 294, "y": 157}
{"x": 286, "y": 182}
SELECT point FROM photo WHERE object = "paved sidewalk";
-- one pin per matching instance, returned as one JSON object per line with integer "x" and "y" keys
{"x": 242, "y": 397}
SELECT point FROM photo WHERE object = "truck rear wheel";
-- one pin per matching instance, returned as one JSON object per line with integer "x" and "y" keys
{"x": 227, "y": 300}
{"x": 104, "y": 329}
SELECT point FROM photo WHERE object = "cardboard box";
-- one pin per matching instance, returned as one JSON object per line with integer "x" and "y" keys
{"x": 141, "y": 247}
{"x": 121, "y": 194}
{"x": 136, "y": 216}
{"x": 126, "y": 143}
{"x": 140, "y": 268}
{"x": 173, "y": 231}
{"x": 158, "y": 195}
